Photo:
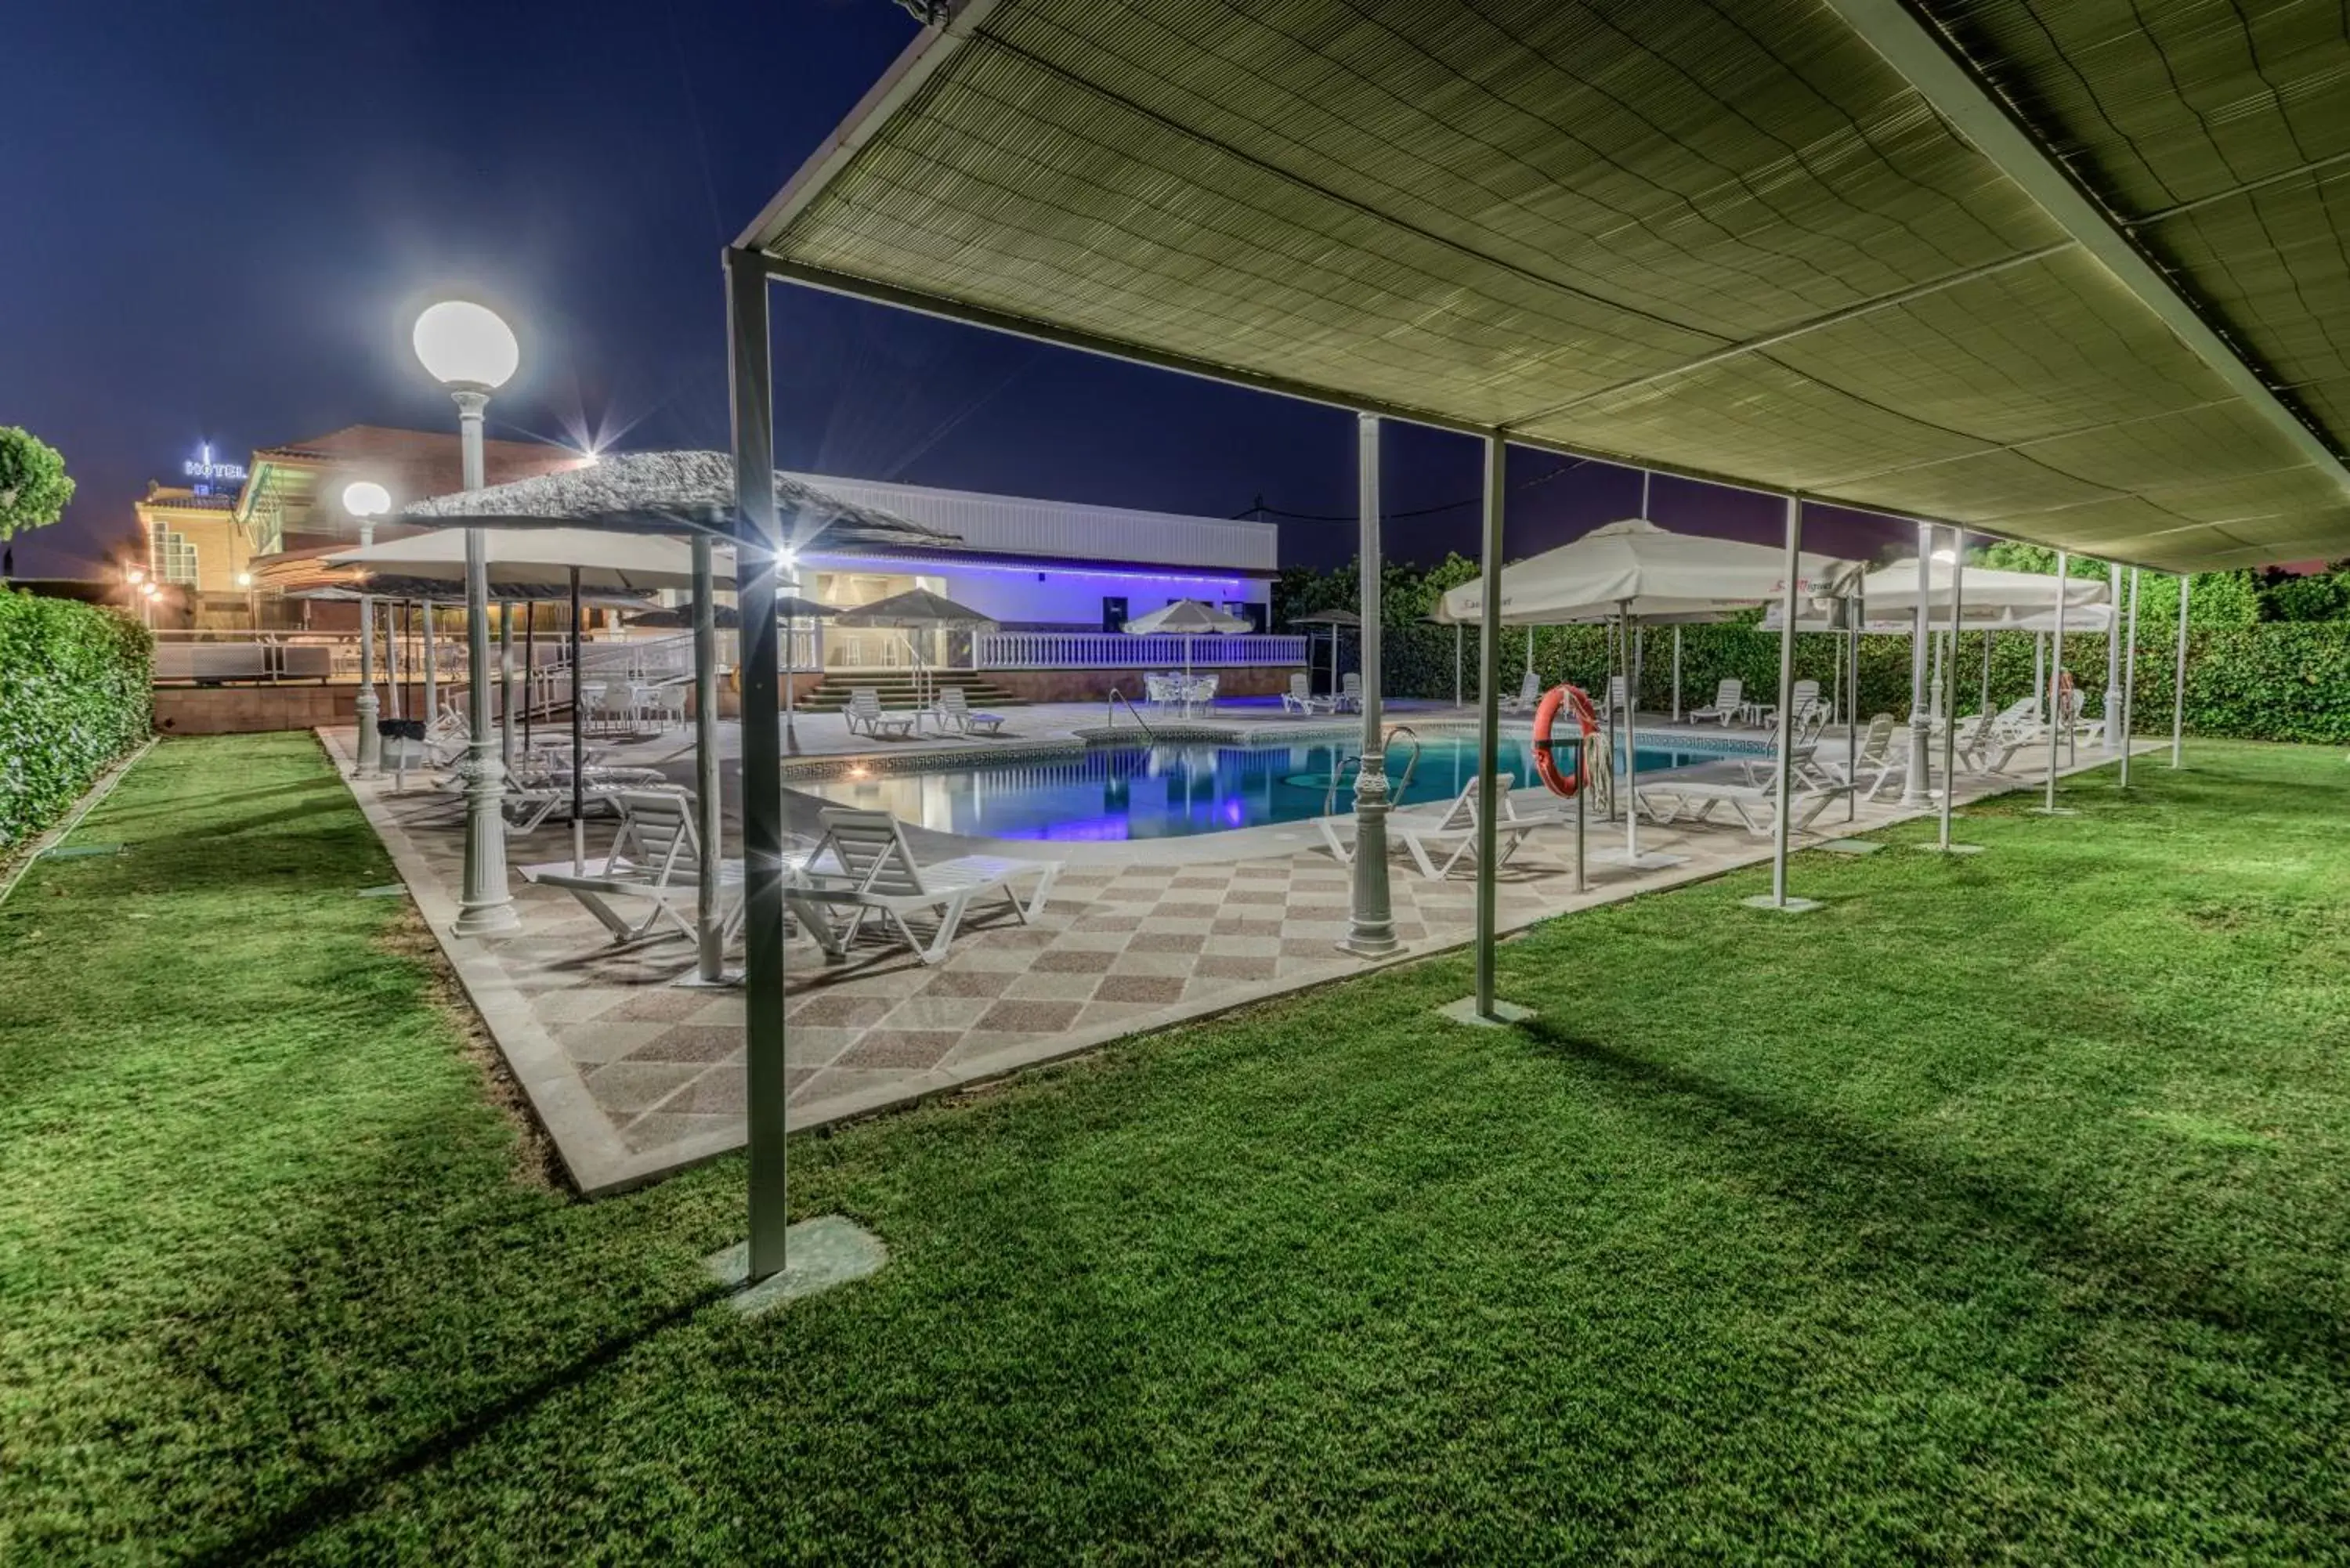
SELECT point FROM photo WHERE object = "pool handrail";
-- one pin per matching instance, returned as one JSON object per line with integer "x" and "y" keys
{"x": 1116, "y": 696}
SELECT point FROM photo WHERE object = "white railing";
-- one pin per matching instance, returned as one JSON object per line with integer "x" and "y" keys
{"x": 1116, "y": 651}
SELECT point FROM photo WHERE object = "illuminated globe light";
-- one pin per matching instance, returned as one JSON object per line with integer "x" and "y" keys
{"x": 466, "y": 345}
{"x": 366, "y": 498}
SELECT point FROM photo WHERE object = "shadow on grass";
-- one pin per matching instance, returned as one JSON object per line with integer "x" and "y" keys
{"x": 332, "y": 1504}
{"x": 1935, "y": 1193}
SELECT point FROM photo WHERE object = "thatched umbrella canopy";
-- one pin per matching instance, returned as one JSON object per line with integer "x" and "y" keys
{"x": 671, "y": 492}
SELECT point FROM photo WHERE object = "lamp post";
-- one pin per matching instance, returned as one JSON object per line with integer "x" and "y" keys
{"x": 469, "y": 350}
{"x": 367, "y": 501}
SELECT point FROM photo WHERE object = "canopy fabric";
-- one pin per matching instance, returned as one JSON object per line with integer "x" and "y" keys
{"x": 443, "y": 591}
{"x": 1982, "y": 589}
{"x": 1636, "y": 568}
{"x": 2085, "y": 617}
{"x": 1728, "y": 237}
{"x": 1187, "y": 617}
{"x": 633, "y": 563}
{"x": 674, "y": 493}
{"x": 1327, "y": 617}
{"x": 915, "y": 608}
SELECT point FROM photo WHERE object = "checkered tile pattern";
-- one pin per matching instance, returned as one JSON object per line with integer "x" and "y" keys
{"x": 1118, "y": 947}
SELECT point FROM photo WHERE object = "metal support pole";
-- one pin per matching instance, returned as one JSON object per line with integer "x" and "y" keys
{"x": 751, "y": 405}
{"x": 1489, "y": 720}
{"x": 529, "y": 666}
{"x": 1983, "y": 703}
{"x": 2179, "y": 682}
{"x": 2040, "y": 674}
{"x": 1676, "y": 675}
{"x": 1456, "y": 664}
{"x": 486, "y": 906}
{"x": 2113, "y": 697}
{"x": 1914, "y": 790}
{"x": 366, "y": 710}
{"x": 1784, "y": 768}
{"x": 506, "y": 679}
{"x": 1942, "y": 844}
{"x": 2057, "y": 722}
{"x": 1371, "y": 925}
{"x": 1855, "y": 616}
{"x": 2129, "y": 680}
{"x": 579, "y": 744}
{"x": 431, "y": 672}
{"x": 709, "y": 932}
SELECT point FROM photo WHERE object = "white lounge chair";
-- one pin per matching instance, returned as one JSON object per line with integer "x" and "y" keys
{"x": 1875, "y": 757}
{"x": 955, "y": 713}
{"x": 1755, "y": 806}
{"x": 1426, "y": 833}
{"x": 538, "y": 787}
{"x": 865, "y": 869}
{"x": 1729, "y": 702}
{"x": 864, "y": 716}
{"x": 1300, "y": 698}
{"x": 1529, "y": 694}
{"x": 1350, "y": 692}
{"x": 653, "y": 864}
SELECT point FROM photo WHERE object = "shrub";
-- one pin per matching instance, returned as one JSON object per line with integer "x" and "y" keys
{"x": 74, "y": 696}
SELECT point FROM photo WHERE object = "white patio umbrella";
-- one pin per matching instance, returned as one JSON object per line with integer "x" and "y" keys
{"x": 1635, "y": 571}
{"x": 1186, "y": 618}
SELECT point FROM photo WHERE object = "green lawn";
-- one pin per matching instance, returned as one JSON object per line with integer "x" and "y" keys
{"x": 2000, "y": 1210}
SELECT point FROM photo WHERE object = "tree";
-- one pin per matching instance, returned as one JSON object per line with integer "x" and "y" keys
{"x": 33, "y": 488}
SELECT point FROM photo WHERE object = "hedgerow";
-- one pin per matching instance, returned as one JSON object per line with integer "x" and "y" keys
{"x": 74, "y": 696}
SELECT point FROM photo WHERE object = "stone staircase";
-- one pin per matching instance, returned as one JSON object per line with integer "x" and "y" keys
{"x": 898, "y": 690}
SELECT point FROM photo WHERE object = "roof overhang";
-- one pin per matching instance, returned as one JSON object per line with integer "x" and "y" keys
{"x": 1773, "y": 244}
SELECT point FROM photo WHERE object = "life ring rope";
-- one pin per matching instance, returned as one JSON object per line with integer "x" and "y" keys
{"x": 1586, "y": 720}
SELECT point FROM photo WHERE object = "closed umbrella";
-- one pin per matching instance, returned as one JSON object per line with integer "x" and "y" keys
{"x": 792, "y": 609}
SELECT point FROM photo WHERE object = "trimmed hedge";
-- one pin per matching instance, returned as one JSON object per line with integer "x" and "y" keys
{"x": 74, "y": 696}
{"x": 2273, "y": 680}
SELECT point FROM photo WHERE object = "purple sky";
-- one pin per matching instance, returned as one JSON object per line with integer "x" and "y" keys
{"x": 224, "y": 217}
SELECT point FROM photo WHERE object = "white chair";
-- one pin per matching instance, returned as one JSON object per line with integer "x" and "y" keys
{"x": 1300, "y": 698}
{"x": 1350, "y": 692}
{"x": 1729, "y": 701}
{"x": 1450, "y": 832}
{"x": 1529, "y": 694}
{"x": 1875, "y": 757}
{"x": 864, "y": 716}
{"x": 660, "y": 704}
{"x": 1201, "y": 693}
{"x": 653, "y": 863}
{"x": 877, "y": 875}
{"x": 954, "y": 711}
{"x": 1755, "y": 806}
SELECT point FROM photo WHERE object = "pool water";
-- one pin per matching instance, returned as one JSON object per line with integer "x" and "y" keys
{"x": 1116, "y": 792}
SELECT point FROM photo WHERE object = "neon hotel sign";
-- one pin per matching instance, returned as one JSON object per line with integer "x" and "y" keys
{"x": 204, "y": 468}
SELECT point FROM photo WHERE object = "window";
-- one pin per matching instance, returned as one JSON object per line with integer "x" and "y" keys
{"x": 171, "y": 556}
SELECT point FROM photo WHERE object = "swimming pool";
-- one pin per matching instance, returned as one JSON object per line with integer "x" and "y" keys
{"x": 1116, "y": 792}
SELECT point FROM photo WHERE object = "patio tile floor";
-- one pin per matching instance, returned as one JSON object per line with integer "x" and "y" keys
{"x": 1119, "y": 947}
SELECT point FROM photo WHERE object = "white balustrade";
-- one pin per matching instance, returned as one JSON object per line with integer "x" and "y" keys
{"x": 1116, "y": 650}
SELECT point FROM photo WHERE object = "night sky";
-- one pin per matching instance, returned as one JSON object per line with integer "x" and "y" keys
{"x": 222, "y": 217}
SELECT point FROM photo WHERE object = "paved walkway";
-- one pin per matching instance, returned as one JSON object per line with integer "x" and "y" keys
{"x": 635, "y": 1075}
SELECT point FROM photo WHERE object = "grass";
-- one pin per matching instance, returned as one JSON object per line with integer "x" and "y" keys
{"x": 1998, "y": 1210}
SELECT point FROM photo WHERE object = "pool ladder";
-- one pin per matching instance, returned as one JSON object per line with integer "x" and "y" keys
{"x": 1394, "y": 791}
{"x": 1118, "y": 697}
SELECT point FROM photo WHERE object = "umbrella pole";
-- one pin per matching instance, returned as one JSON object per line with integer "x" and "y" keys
{"x": 579, "y": 744}
{"x": 2056, "y": 725}
{"x": 791, "y": 729}
{"x": 397, "y": 617}
{"x": 709, "y": 923}
{"x": 1631, "y": 743}
{"x": 1676, "y": 675}
{"x": 431, "y": 672}
{"x": 1855, "y": 616}
{"x": 1942, "y": 844}
{"x": 1456, "y": 664}
{"x": 2178, "y": 682}
{"x": 529, "y": 666}
{"x": 2129, "y": 680}
{"x": 506, "y": 679}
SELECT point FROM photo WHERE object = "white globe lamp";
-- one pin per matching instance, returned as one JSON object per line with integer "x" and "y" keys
{"x": 461, "y": 344}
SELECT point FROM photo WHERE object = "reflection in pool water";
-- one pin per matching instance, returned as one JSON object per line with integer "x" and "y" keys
{"x": 1170, "y": 790}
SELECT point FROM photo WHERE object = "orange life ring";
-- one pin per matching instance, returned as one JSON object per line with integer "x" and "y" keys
{"x": 1586, "y": 718}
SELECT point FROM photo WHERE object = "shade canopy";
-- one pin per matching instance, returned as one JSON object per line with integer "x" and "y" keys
{"x": 1327, "y": 617}
{"x": 915, "y": 608}
{"x": 2086, "y": 618}
{"x": 1636, "y": 568}
{"x": 674, "y": 493}
{"x": 2068, "y": 272}
{"x": 1189, "y": 618}
{"x": 1982, "y": 589}
{"x": 633, "y": 563}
